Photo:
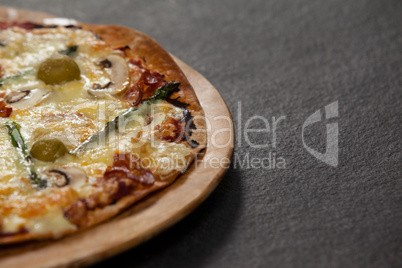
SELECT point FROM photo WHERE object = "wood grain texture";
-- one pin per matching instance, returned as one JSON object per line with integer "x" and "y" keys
{"x": 152, "y": 215}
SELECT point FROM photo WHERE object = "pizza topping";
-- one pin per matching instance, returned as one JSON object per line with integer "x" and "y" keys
{"x": 2, "y": 71}
{"x": 187, "y": 120}
{"x": 170, "y": 130}
{"x": 148, "y": 120}
{"x": 18, "y": 142}
{"x": 17, "y": 96}
{"x": 15, "y": 76}
{"x": 58, "y": 69}
{"x": 5, "y": 110}
{"x": 150, "y": 82}
{"x": 48, "y": 150}
{"x": 134, "y": 95}
{"x": 117, "y": 173}
{"x": 105, "y": 63}
{"x": 162, "y": 157}
{"x": 124, "y": 188}
{"x": 161, "y": 93}
{"x": 128, "y": 166}
{"x": 146, "y": 86}
{"x": 117, "y": 67}
{"x": 53, "y": 220}
{"x": 76, "y": 213}
{"x": 62, "y": 176}
{"x": 123, "y": 49}
{"x": 69, "y": 50}
{"x": 24, "y": 99}
{"x": 120, "y": 179}
{"x": 97, "y": 86}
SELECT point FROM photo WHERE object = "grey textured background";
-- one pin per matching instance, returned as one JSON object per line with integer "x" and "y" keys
{"x": 290, "y": 58}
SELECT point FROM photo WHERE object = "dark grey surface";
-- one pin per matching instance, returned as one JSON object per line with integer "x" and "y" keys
{"x": 289, "y": 58}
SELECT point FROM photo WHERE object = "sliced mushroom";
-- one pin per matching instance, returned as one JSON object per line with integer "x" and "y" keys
{"x": 63, "y": 176}
{"x": 99, "y": 86}
{"x": 59, "y": 178}
{"x": 17, "y": 96}
{"x": 27, "y": 98}
{"x": 119, "y": 73}
{"x": 148, "y": 120}
{"x": 105, "y": 63}
{"x": 101, "y": 91}
{"x": 4, "y": 41}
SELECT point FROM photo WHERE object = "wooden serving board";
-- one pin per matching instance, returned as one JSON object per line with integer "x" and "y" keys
{"x": 151, "y": 215}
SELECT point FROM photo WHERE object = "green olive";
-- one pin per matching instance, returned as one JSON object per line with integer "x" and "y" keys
{"x": 58, "y": 69}
{"x": 48, "y": 150}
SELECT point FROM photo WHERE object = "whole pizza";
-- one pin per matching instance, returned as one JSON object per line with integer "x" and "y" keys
{"x": 92, "y": 119}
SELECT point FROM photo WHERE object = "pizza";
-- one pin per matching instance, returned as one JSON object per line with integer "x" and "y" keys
{"x": 92, "y": 119}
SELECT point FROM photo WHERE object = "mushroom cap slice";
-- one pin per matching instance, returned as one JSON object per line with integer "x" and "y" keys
{"x": 119, "y": 74}
{"x": 27, "y": 98}
{"x": 63, "y": 176}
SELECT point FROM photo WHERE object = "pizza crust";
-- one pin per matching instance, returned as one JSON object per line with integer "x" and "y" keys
{"x": 157, "y": 59}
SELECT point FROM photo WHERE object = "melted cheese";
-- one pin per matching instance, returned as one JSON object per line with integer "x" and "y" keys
{"x": 52, "y": 221}
{"x": 9, "y": 163}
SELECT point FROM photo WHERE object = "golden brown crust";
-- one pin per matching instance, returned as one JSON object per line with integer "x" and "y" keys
{"x": 156, "y": 59}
